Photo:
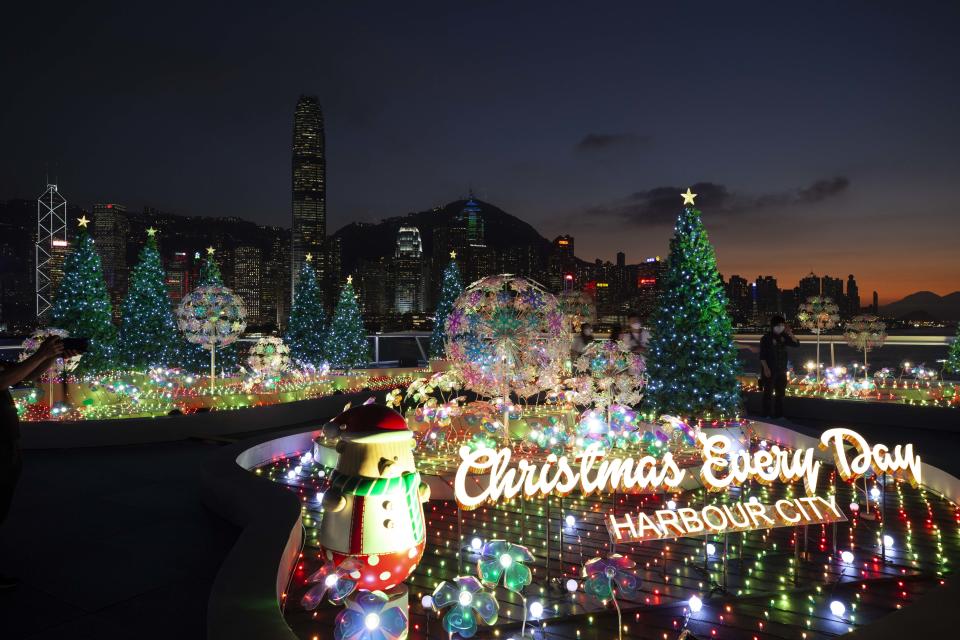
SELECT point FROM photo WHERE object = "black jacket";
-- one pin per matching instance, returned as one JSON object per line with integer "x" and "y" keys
{"x": 773, "y": 349}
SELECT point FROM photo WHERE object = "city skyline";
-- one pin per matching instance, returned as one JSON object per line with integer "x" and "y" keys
{"x": 852, "y": 174}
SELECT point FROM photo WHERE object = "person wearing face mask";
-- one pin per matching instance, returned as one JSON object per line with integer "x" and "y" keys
{"x": 580, "y": 342}
{"x": 636, "y": 337}
{"x": 773, "y": 365}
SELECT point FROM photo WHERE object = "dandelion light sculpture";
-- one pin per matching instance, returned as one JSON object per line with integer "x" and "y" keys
{"x": 212, "y": 316}
{"x": 506, "y": 335}
{"x": 864, "y": 333}
{"x": 818, "y": 314}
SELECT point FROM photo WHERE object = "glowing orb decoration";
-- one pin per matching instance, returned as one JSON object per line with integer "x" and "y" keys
{"x": 269, "y": 357}
{"x": 212, "y": 316}
{"x": 612, "y": 373}
{"x": 695, "y": 604}
{"x": 507, "y": 335}
{"x": 33, "y": 342}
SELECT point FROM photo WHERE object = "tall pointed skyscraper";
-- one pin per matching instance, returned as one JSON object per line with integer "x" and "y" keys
{"x": 309, "y": 187}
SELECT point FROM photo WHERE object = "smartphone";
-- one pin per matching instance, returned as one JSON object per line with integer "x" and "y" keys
{"x": 80, "y": 345}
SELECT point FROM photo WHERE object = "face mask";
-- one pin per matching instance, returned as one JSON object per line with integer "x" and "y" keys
{"x": 778, "y": 329}
{"x": 635, "y": 326}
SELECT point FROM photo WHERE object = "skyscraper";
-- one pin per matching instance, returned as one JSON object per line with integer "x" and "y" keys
{"x": 309, "y": 187}
{"x": 853, "y": 296}
{"x": 248, "y": 280}
{"x": 409, "y": 271}
{"x": 50, "y": 248}
{"x": 110, "y": 230}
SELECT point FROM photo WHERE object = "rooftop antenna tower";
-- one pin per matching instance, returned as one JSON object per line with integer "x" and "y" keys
{"x": 51, "y": 246}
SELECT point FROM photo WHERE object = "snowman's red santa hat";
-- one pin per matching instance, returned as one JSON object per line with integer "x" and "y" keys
{"x": 372, "y": 423}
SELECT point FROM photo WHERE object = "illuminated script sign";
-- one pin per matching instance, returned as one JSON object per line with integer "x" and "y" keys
{"x": 725, "y": 464}
{"x": 726, "y": 518}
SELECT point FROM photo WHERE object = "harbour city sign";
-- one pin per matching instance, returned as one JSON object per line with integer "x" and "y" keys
{"x": 724, "y": 465}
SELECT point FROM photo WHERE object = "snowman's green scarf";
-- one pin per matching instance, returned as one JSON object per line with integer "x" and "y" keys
{"x": 364, "y": 487}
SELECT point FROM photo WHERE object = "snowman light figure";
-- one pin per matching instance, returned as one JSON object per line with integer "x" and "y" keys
{"x": 373, "y": 510}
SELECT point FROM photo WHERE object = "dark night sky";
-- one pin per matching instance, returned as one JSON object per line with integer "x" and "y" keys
{"x": 823, "y": 135}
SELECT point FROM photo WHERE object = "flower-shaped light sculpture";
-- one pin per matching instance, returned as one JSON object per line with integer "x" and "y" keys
{"x": 367, "y": 617}
{"x": 500, "y": 558}
{"x": 604, "y": 576}
{"x": 467, "y": 601}
{"x": 332, "y": 581}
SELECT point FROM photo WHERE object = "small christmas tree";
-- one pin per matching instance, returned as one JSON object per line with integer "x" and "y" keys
{"x": 692, "y": 361}
{"x": 194, "y": 357}
{"x": 82, "y": 305}
{"x": 148, "y": 333}
{"x": 346, "y": 344}
{"x": 952, "y": 365}
{"x": 450, "y": 287}
{"x": 307, "y": 318}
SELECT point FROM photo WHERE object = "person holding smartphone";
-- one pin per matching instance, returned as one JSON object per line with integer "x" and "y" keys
{"x": 773, "y": 365}
{"x": 11, "y": 461}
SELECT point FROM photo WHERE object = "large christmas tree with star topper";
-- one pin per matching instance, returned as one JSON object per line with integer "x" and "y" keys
{"x": 305, "y": 329}
{"x": 691, "y": 359}
{"x": 82, "y": 305}
{"x": 450, "y": 287}
{"x": 346, "y": 345}
{"x": 194, "y": 357}
{"x": 148, "y": 333}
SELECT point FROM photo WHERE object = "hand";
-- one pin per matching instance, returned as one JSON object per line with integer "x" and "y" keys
{"x": 787, "y": 330}
{"x": 766, "y": 370}
{"x": 52, "y": 347}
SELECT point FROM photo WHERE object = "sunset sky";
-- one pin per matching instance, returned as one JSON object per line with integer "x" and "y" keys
{"x": 822, "y": 136}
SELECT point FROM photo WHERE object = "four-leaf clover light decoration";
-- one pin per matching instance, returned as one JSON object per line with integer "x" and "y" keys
{"x": 468, "y": 602}
{"x": 333, "y": 581}
{"x": 367, "y": 617}
{"x": 502, "y": 559}
{"x": 212, "y": 316}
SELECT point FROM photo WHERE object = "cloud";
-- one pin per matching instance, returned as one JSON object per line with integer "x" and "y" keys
{"x": 594, "y": 142}
{"x": 660, "y": 205}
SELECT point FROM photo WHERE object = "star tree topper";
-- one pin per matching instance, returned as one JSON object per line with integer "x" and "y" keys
{"x": 688, "y": 197}
{"x": 151, "y": 232}
{"x": 83, "y": 221}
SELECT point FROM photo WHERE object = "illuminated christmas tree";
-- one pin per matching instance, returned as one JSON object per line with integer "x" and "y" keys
{"x": 346, "y": 344}
{"x": 148, "y": 333}
{"x": 305, "y": 329}
{"x": 194, "y": 357}
{"x": 952, "y": 365}
{"x": 450, "y": 287}
{"x": 82, "y": 305}
{"x": 692, "y": 362}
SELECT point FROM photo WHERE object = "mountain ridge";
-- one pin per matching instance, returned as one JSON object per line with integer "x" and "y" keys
{"x": 927, "y": 303}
